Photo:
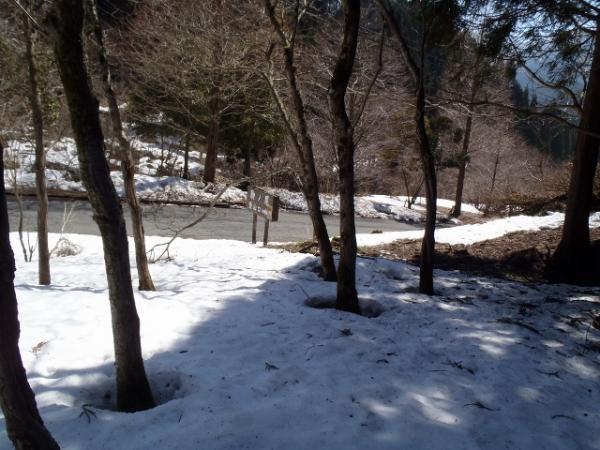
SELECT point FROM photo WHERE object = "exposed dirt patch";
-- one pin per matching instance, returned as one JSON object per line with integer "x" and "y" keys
{"x": 520, "y": 256}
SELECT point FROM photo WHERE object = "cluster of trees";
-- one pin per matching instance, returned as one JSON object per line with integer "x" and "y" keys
{"x": 408, "y": 89}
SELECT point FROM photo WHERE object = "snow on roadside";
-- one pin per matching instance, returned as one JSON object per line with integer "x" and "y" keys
{"x": 238, "y": 361}
{"x": 63, "y": 163}
{"x": 400, "y": 201}
{"x": 372, "y": 206}
{"x": 469, "y": 234}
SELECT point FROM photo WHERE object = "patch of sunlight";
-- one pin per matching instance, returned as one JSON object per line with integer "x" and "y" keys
{"x": 435, "y": 406}
{"x": 380, "y": 409}
{"x": 529, "y": 394}
{"x": 586, "y": 298}
{"x": 492, "y": 342}
{"x": 582, "y": 368}
{"x": 552, "y": 344}
{"x": 451, "y": 308}
{"x": 55, "y": 398}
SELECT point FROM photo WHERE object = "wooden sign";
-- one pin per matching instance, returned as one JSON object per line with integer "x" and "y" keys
{"x": 263, "y": 204}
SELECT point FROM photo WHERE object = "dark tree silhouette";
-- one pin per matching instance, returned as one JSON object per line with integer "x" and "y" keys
{"x": 24, "y": 424}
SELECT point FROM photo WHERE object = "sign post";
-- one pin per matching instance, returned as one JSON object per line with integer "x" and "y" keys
{"x": 265, "y": 205}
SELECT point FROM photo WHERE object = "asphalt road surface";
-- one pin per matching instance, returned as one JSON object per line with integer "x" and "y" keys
{"x": 221, "y": 223}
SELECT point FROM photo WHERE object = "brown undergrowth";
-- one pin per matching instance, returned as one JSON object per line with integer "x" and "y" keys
{"x": 520, "y": 256}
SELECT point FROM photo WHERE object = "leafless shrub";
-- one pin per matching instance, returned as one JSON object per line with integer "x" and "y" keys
{"x": 64, "y": 247}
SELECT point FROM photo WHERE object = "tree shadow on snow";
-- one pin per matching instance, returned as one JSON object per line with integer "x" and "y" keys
{"x": 484, "y": 364}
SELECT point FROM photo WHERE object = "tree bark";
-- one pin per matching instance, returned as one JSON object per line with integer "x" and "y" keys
{"x": 66, "y": 21}
{"x": 125, "y": 153}
{"x": 40, "y": 158}
{"x": 304, "y": 149}
{"x": 428, "y": 163}
{"x": 574, "y": 259}
{"x": 463, "y": 158}
{"x": 247, "y": 167}
{"x": 460, "y": 184}
{"x": 310, "y": 189}
{"x": 212, "y": 141}
{"x": 24, "y": 424}
{"x": 347, "y": 296}
{"x": 186, "y": 157}
{"x": 464, "y": 154}
{"x": 423, "y": 146}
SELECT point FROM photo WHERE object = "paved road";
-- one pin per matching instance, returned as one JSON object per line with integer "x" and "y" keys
{"x": 221, "y": 223}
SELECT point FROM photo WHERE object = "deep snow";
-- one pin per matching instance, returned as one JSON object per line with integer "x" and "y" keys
{"x": 238, "y": 361}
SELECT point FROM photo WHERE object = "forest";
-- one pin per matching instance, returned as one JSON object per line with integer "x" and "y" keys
{"x": 426, "y": 172}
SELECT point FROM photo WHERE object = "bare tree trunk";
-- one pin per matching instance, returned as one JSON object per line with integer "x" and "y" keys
{"x": 24, "y": 424}
{"x": 247, "y": 167}
{"x": 304, "y": 149}
{"x": 212, "y": 141}
{"x": 462, "y": 167}
{"x": 40, "y": 158}
{"x": 26, "y": 249}
{"x": 347, "y": 296}
{"x": 495, "y": 172}
{"x": 574, "y": 259}
{"x": 428, "y": 163}
{"x": 127, "y": 165}
{"x": 66, "y": 21}
{"x": 186, "y": 157}
{"x": 423, "y": 146}
{"x": 464, "y": 154}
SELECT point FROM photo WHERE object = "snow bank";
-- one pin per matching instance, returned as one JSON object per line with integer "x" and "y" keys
{"x": 469, "y": 234}
{"x": 401, "y": 201}
{"x": 369, "y": 206}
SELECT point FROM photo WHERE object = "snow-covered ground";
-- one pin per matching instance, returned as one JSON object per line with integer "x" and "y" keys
{"x": 151, "y": 186}
{"x": 469, "y": 234}
{"x": 238, "y": 361}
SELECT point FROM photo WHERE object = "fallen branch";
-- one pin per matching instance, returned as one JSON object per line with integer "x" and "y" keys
{"x": 178, "y": 232}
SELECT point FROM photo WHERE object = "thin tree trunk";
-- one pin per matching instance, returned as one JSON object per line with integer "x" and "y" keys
{"x": 460, "y": 183}
{"x": 212, "y": 142}
{"x": 40, "y": 159}
{"x": 464, "y": 154}
{"x": 423, "y": 147}
{"x": 126, "y": 156}
{"x": 304, "y": 150}
{"x": 462, "y": 167}
{"x": 247, "y": 167}
{"x": 347, "y": 296}
{"x": 19, "y": 199}
{"x": 311, "y": 182}
{"x": 495, "y": 172}
{"x": 428, "y": 163}
{"x": 66, "y": 20}
{"x": 24, "y": 424}
{"x": 574, "y": 259}
{"x": 186, "y": 157}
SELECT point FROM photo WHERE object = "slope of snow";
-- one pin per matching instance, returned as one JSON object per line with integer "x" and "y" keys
{"x": 369, "y": 206}
{"x": 400, "y": 201}
{"x": 237, "y": 361}
{"x": 469, "y": 234}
